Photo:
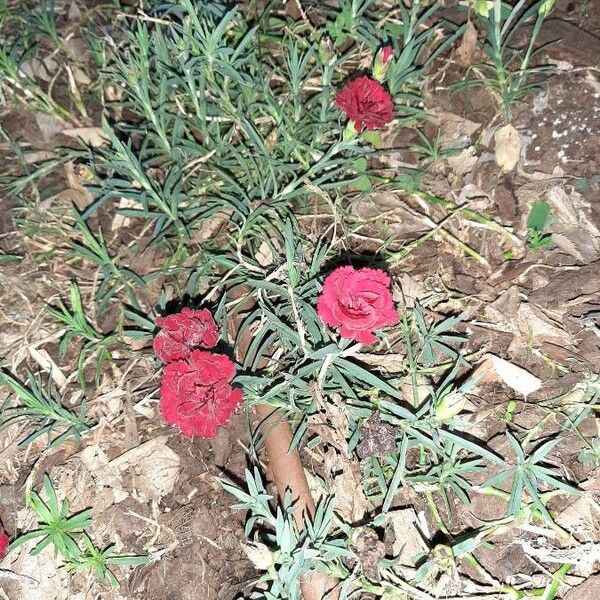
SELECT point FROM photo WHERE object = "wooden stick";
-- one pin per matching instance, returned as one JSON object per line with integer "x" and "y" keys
{"x": 285, "y": 465}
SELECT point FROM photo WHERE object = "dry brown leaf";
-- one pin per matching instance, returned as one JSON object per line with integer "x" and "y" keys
{"x": 409, "y": 542}
{"x": 423, "y": 390}
{"x": 573, "y": 231}
{"x": 49, "y": 125}
{"x": 508, "y": 145}
{"x": 264, "y": 254}
{"x": 121, "y": 221}
{"x": 91, "y": 136}
{"x": 535, "y": 328}
{"x": 468, "y": 49}
{"x": 104, "y": 474}
{"x": 44, "y": 568}
{"x": 388, "y": 363}
{"x": 581, "y": 519}
{"x": 454, "y": 129}
{"x": 464, "y": 162}
{"x": 153, "y": 467}
{"x": 588, "y": 590}
{"x": 350, "y": 500}
{"x": 493, "y": 368}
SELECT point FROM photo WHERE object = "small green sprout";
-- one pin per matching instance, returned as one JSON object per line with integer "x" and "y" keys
{"x": 538, "y": 221}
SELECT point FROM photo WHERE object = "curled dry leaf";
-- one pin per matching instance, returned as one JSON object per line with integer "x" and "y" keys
{"x": 259, "y": 555}
{"x": 508, "y": 145}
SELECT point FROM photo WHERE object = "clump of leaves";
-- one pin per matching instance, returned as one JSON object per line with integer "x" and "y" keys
{"x": 98, "y": 561}
{"x": 527, "y": 474}
{"x": 65, "y": 533}
{"x": 538, "y": 221}
{"x": 115, "y": 277}
{"x": 287, "y": 553}
{"x": 431, "y": 151}
{"x": 77, "y": 326}
{"x": 43, "y": 409}
{"x": 509, "y": 72}
{"x": 55, "y": 525}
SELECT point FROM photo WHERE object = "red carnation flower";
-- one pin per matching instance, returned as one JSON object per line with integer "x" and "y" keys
{"x": 184, "y": 331}
{"x": 366, "y": 102}
{"x": 4, "y": 543}
{"x": 196, "y": 395}
{"x": 357, "y": 301}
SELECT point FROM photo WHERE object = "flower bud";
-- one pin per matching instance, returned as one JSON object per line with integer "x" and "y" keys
{"x": 382, "y": 60}
{"x": 482, "y": 7}
{"x": 546, "y": 8}
{"x": 350, "y": 132}
{"x": 260, "y": 556}
{"x": 450, "y": 405}
{"x": 326, "y": 53}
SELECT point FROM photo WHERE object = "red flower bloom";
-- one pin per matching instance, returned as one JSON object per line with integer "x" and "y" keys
{"x": 196, "y": 395}
{"x": 184, "y": 331}
{"x": 366, "y": 102}
{"x": 4, "y": 543}
{"x": 358, "y": 301}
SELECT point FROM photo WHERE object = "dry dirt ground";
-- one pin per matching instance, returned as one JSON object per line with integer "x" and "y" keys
{"x": 156, "y": 493}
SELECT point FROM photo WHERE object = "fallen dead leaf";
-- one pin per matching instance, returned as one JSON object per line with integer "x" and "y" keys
{"x": 91, "y": 136}
{"x": 49, "y": 125}
{"x": 493, "y": 368}
{"x": 508, "y": 145}
{"x": 350, "y": 500}
{"x": 464, "y": 162}
{"x": 153, "y": 467}
{"x": 573, "y": 231}
{"x": 468, "y": 49}
{"x": 120, "y": 221}
{"x": 588, "y": 590}
{"x": 536, "y": 328}
{"x": 409, "y": 542}
{"x": 455, "y": 131}
{"x": 264, "y": 254}
{"x": 580, "y": 519}
{"x": 104, "y": 474}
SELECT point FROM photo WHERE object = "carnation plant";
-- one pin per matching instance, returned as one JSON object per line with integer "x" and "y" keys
{"x": 237, "y": 133}
{"x": 243, "y": 130}
{"x": 509, "y": 71}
